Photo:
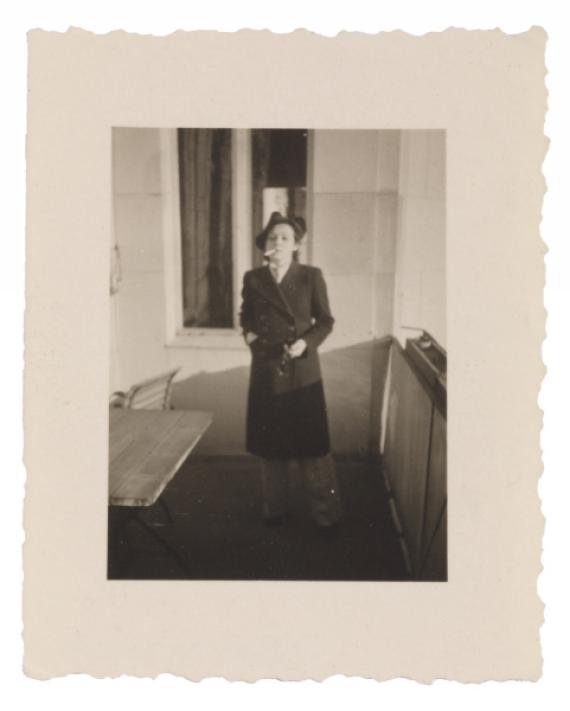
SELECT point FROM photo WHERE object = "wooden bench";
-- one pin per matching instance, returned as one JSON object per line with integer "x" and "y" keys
{"x": 150, "y": 394}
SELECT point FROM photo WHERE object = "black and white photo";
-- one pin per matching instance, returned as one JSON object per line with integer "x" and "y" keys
{"x": 278, "y": 364}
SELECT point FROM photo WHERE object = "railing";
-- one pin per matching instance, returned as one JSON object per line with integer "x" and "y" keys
{"x": 415, "y": 452}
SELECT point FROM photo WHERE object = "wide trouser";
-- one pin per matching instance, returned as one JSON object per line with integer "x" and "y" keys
{"x": 321, "y": 484}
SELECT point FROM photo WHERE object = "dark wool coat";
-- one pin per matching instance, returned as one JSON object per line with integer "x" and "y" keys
{"x": 286, "y": 410}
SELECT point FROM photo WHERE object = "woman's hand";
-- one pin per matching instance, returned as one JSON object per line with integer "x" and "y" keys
{"x": 296, "y": 349}
{"x": 250, "y": 337}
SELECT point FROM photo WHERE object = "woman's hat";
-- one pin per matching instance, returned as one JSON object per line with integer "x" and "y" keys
{"x": 297, "y": 223}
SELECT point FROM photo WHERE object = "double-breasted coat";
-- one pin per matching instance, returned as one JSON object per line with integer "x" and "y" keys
{"x": 286, "y": 409}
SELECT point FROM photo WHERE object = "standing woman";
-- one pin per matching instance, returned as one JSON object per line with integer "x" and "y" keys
{"x": 285, "y": 316}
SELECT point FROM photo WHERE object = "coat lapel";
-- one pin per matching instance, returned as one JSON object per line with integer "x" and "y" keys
{"x": 290, "y": 280}
{"x": 266, "y": 285}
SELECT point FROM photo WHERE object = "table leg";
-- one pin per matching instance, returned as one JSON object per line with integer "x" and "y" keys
{"x": 163, "y": 543}
{"x": 119, "y": 551}
{"x": 118, "y": 534}
{"x": 162, "y": 503}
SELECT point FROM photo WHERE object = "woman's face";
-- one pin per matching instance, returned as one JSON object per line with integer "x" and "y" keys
{"x": 281, "y": 242}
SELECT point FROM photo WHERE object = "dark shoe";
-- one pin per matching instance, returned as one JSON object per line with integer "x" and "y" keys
{"x": 274, "y": 521}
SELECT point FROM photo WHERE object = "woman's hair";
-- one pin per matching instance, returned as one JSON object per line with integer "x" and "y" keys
{"x": 297, "y": 223}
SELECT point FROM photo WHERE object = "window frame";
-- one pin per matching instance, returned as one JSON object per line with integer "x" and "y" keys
{"x": 177, "y": 335}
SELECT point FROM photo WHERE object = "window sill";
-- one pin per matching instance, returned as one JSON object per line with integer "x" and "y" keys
{"x": 209, "y": 338}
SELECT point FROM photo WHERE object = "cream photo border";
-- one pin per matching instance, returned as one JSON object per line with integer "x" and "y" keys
{"x": 487, "y": 90}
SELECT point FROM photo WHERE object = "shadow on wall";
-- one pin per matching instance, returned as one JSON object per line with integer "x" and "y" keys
{"x": 354, "y": 379}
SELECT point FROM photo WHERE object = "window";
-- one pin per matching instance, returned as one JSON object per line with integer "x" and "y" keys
{"x": 220, "y": 186}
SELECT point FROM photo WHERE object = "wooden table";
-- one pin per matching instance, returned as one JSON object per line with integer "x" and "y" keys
{"x": 146, "y": 449}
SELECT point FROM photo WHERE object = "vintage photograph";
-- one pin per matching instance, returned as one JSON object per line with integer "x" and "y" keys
{"x": 278, "y": 363}
{"x": 239, "y": 309}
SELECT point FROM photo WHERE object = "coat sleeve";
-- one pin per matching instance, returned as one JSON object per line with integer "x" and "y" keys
{"x": 246, "y": 316}
{"x": 321, "y": 313}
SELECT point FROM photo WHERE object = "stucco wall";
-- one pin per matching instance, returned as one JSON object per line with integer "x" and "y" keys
{"x": 137, "y": 309}
{"x": 354, "y": 194}
{"x": 420, "y": 279}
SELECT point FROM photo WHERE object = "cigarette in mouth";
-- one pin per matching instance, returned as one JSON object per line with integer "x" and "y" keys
{"x": 268, "y": 254}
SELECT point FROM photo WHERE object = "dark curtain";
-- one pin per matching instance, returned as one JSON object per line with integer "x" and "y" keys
{"x": 206, "y": 225}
